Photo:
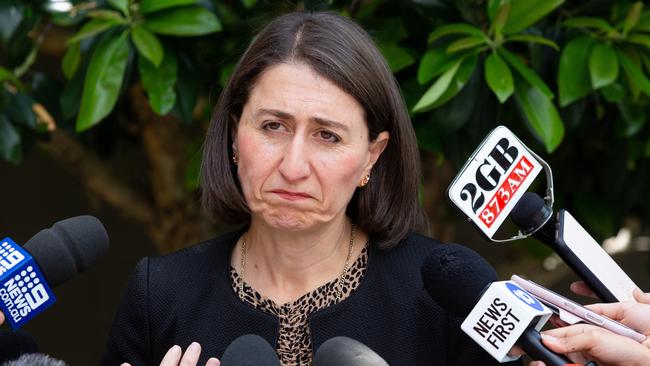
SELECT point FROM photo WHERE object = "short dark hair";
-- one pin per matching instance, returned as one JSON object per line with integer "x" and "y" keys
{"x": 341, "y": 51}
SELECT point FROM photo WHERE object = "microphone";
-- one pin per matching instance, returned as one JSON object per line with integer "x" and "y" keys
{"x": 344, "y": 351}
{"x": 575, "y": 246}
{"x": 250, "y": 350}
{"x": 501, "y": 315}
{"x": 49, "y": 258}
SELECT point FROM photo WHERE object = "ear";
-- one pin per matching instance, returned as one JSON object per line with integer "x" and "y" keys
{"x": 233, "y": 131}
{"x": 375, "y": 149}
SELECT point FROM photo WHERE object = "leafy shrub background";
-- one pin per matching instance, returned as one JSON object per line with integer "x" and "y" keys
{"x": 119, "y": 92}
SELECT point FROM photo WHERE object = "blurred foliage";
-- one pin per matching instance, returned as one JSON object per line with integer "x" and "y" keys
{"x": 572, "y": 79}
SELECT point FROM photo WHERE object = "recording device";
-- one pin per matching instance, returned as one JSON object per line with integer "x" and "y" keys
{"x": 571, "y": 312}
{"x": 250, "y": 350}
{"x": 344, "y": 351}
{"x": 49, "y": 258}
{"x": 501, "y": 314}
{"x": 575, "y": 246}
{"x": 492, "y": 186}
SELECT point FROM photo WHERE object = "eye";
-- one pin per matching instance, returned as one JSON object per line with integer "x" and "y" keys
{"x": 272, "y": 126}
{"x": 328, "y": 136}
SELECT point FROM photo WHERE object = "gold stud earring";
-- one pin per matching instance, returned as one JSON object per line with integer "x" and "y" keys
{"x": 364, "y": 180}
{"x": 235, "y": 158}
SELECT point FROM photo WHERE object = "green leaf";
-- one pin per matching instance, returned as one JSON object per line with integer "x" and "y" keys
{"x": 71, "y": 60}
{"x": 634, "y": 72}
{"x": 493, "y": 7}
{"x": 525, "y": 13}
{"x": 461, "y": 78}
{"x": 641, "y": 39}
{"x": 613, "y": 92}
{"x": 632, "y": 17}
{"x": 633, "y": 118}
{"x": 499, "y": 77}
{"x": 644, "y": 22}
{"x": 523, "y": 70}
{"x": 573, "y": 75}
{"x": 248, "y": 3}
{"x": 149, "y": 6}
{"x": 500, "y": 18}
{"x": 603, "y": 65}
{"x": 103, "y": 80}
{"x": 434, "y": 62}
{"x": 437, "y": 89}
{"x": 10, "y": 145}
{"x": 19, "y": 110}
{"x": 91, "y": 28}
{"x": 121, "y": 5}
{"x": 147, "y": 44}
{"x": 533, "y": 39}
{"x": 540, "y": 113}
{"x": 397, "y": 57}
{"x": 465, "y": 43}
{"x": 187, "y": 90}
{"x": 588, "y": 22}
{"x": 8, "y": 75}
{"x": 159, "y": 82}
{"x": 456, "y": 28}
{"x": 187, "y": 21}
{"x": 107, "y": 15}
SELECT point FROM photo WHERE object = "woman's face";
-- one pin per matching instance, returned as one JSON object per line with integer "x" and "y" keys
{"x": 303, "y": 148}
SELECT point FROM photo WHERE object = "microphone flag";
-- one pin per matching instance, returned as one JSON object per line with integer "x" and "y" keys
{"x": 504, "y": 312}
{"x": 24, "y": 292}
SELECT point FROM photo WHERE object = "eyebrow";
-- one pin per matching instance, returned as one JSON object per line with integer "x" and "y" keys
{"x": 321, "y": 121}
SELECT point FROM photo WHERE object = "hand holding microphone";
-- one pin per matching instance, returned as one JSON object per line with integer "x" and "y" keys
{"x": 588, "y": 342}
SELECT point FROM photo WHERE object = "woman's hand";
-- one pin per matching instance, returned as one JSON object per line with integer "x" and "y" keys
{"x": 190, "y": 358}
{"x": 583, "y": 343}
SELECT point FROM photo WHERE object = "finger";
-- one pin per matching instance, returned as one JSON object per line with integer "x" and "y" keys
{"x": 172, "y": 356}
{"x": 2, "y": 317}
{"x": 615, "y": 311}
{"x": 581, "y": 288}
{"x": 640, "y": 296}
{"x": 191, "y": 356}
{"x": 573, "y": 342}
{"x": 213, "y": 362}
{"x": 571, "y": 330}
{"x": 557, "y": 322}
{"x": 537, "y": 363}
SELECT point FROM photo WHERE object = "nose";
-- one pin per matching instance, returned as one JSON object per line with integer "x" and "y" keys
{"x": 295, "y": 162}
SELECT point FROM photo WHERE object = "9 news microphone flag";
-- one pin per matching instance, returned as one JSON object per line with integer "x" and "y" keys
{"x": 24, "y": 293}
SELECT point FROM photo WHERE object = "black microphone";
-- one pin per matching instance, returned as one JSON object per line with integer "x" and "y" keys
{"x": 69, "y": 247}
{"x": 503, "y": 316}
{"x": 49, "y": 258}
{"x": 344, "y": 351}
{"x": 575, "y": 246}
{"x": 250, "y": 350}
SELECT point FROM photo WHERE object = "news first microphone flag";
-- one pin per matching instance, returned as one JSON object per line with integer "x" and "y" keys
{"x": 24, "y": 293}
{"x": 501, "y": 316}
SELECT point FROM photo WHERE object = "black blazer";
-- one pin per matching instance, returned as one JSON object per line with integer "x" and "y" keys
{"x": 187, "y": 296}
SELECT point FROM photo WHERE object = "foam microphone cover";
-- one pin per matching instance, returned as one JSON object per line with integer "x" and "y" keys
{"x": 530, "y": 213}
{"x": 455, "y": 277}
{"x": 68, "y": 247}
{"x": 250, "y": 350}
{"x": 344, "y": 351}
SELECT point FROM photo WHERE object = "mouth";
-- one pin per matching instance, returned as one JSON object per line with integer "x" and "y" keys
{"x": 291, "y": 196}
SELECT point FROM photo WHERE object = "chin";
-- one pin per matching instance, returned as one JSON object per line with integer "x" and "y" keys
{"x": 290, "y": 221}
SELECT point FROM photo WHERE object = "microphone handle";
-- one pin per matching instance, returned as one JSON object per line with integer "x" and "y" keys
{"x": 531, "y": 342}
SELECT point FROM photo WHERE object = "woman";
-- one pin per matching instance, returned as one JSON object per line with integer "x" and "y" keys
{"x": 310, "y": 147}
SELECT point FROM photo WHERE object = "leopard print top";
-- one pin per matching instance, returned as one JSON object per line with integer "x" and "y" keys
{"x": 294, "y": 341}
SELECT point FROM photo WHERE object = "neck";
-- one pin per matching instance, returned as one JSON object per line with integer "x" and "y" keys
{"x": 284, "y": 265}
